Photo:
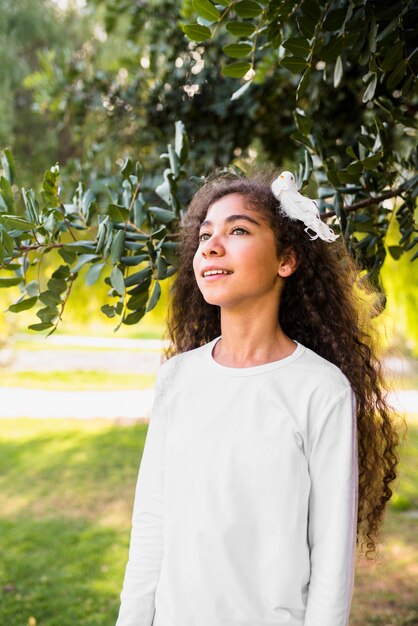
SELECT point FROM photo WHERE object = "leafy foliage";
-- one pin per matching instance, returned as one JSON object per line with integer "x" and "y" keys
{"x": 357, "y": 59}
{"x": 131, "y": 223}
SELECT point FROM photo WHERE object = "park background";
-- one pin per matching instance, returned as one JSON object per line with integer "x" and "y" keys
{"x": 87, "y": 84}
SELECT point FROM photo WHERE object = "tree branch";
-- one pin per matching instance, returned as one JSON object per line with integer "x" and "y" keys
{"x": 368, "y": 201}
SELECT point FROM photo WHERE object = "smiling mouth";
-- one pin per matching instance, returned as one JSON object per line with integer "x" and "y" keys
{"x": 215, "y": 272}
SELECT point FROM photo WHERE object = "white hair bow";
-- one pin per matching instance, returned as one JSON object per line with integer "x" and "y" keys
{"x": 298, "y": 207}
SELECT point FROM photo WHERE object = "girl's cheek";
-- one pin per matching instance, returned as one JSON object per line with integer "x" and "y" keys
{"x": 195, "y": 267}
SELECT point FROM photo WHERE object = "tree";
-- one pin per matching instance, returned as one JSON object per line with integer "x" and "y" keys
{"x": 346, "y": 73}
{"x": 357, "y": 59}
{"x": 30, "y": 30}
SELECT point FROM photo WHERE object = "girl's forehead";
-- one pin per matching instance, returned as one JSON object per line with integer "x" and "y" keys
{"x": 232, "y": 203}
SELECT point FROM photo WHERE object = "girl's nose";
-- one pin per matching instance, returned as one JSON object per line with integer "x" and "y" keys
{"x": 212, "y": 247}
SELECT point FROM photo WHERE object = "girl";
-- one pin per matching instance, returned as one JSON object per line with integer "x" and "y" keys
{"x": 271, "y": 448}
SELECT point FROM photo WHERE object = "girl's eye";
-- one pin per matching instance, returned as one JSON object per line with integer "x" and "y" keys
{"x": 239, "y": 231}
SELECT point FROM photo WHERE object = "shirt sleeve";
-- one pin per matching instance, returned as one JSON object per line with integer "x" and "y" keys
{"x": 146, "y": 543}
{"x": 332, "y": 524}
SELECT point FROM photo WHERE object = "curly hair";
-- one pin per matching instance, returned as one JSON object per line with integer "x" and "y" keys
{"x": 322, "y": 308}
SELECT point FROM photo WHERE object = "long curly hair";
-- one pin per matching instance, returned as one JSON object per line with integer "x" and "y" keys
{"x": 325, "y": 305}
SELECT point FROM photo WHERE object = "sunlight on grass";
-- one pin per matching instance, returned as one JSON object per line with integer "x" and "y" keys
{"x": 77, "y": 380}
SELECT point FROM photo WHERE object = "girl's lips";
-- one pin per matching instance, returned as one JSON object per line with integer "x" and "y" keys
{"x": 212, "y": 277}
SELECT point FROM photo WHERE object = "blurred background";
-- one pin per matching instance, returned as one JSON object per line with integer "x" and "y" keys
{"x": 85, "y": 83}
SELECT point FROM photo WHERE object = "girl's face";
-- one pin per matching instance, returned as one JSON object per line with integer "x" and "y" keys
{"x": 236, "y": 263}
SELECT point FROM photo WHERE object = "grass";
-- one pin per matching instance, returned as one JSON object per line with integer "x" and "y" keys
{"x": 76, "y": 380}
{"x": 66, "y": 493}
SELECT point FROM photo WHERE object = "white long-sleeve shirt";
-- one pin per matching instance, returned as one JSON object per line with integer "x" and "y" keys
{"x": 246, "y": 502}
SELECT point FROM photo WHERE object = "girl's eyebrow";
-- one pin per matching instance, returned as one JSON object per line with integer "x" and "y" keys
{"x": 233, "y": 218}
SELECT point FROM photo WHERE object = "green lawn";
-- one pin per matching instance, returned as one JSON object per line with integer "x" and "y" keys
{"x": 66, "y": 492}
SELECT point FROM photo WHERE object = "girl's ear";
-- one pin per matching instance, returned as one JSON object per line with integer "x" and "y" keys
{"x": 288, "y": 263}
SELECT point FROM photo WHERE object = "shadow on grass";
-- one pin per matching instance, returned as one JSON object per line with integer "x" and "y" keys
{"x": 60, "y": 572}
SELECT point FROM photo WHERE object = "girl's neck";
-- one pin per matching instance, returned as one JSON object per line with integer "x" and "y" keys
{"x": 250, "y": 341}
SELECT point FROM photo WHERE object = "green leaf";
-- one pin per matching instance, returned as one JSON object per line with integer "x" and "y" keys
{"x": 392, "y": 57}
{"x": 173, "y": 160}
{"x": 23, "y": 305}
{"x": 295, "y": 65}
{"x": 82, "y": 246}
{"x": 139, "y": 277}
{"x": 47, "y": 314}
{"x": 371, "y": 88}
{"x": 371, "y": 161}
{"x": 9, "y": 166}
{"x": 57, "y": 285}
{"x": 156, "y": 292}
{"x": 50, "y": 298}
{"x": 356, "y": 167}
{"x": 395, "y": 252}
{"x": 298, "y": 46}
{"x": 338, "y": 71}
{"x": 396, "y": 76}
{"x": 170, "y": 250}
{"x": 7, "y": 241}
{"x": 162, "y": 215}
{"x": 133, "y": 260}
{"x": 332, "y": 49}
{"x": 10, "y": 281}
{"x": 236, "y": 70}
{"x": 138, "y": 302}
{"x": 161, "y": 265}
{"x": 108, "y": 244}
{"x": 134, "y": 317}
{"x": 303, "y": 139}
{"x": 237, "y": 50}
{"x": 248, "y": 8}
{"x": 108, "y": 310}
{"x": 372, "y": 34}
{"x": 63, "y": 271}
{"x": 6, "y": 193}
{"x": 346, "y": 177}
{"x": 196, "y": 32}
{"x": 40, "y": 326}
{"x": 83, "y": 258}
{"x": 164, "y": 189}
{"x": 239, "y": 92}
{"x": 334, "y": 19}
{"x": 118, "y": 246}
{"x": 181, "y": 144}
{"x": 127, "y": 168}
{"x": 240, "y": 29}
{"x": 17, "y": 223}
{"x": 31, "y": 205}
{"x": 312, "y": 8}
{"x": 303, "y": 83}
{"x": 303, "y": 121}
{"x": 206, "y": 10}
{"x": 306, "y": 25}
{"x": 118, "y": 213}
{"x": 93, "y": 273}
{"x": 117, "y": 281}
{"x": 32, "y": 288}
{"x": 68, "y": 255}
